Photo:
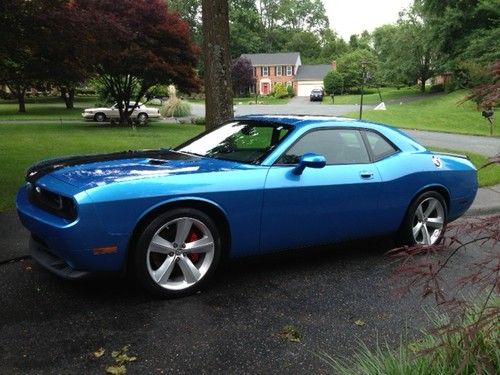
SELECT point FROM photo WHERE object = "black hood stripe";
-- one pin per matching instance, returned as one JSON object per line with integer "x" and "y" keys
{"x": 47, "y": 166}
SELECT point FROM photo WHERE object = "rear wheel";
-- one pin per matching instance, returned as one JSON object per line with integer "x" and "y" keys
{"x": 142, "y": 117}
{"x": 425, "y": 220}
{"x": 177, "y": 253}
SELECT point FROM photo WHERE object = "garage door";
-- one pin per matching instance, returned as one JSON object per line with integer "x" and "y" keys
{"x": 305, "y": 88}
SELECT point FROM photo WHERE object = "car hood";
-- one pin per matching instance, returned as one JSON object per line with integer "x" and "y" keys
{"x": 96, "y": 170}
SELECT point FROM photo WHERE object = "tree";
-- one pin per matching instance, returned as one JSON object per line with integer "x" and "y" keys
{"x": 463, "y": 30}
{"x": 245, "y": 28}
{"x": 242, "y": 74}
{"x": 19, "y": 66}
{"x": 139, "y": 44}
{"x": 219, "y": 102}
{"x": 190, "y": 11}
{"x": 333, "y": 82}
{"x": 350, "y": 66}
{"x": 307, "y": 43}
{"x": 65, "y": 57}
{"x": 413, "y": 62}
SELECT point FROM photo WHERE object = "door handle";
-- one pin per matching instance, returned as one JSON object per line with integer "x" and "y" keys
{"x": 366, "y": 175}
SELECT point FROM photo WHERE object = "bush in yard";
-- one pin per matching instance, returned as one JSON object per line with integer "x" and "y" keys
{"x": 279, "y": 90}
{"x": 333, "y": 82}
{"x": 175, "y": 107}
{"x": 289, "y": 89}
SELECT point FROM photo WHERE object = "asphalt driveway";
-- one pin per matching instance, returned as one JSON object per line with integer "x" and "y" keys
{"x": 49, "y": 325}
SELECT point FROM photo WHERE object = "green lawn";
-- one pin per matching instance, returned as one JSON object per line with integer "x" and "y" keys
{"x": 488, "y": 176}
{"x": 45, "y": 108}
{"x": 440, "y": 113}
{"x": 371, "y": 95}
{"x": 23, "y": 144}
{"x": 260, "y": 100}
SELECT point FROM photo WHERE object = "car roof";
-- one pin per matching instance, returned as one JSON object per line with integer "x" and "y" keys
{"x": 306, "y": 122}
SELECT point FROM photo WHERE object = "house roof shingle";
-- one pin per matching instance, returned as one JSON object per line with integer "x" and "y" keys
{"x": 282, "y": 58}
{"x": 312, "y": 72}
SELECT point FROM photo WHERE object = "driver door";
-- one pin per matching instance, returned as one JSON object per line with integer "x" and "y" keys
{"x": 334, "y": 203}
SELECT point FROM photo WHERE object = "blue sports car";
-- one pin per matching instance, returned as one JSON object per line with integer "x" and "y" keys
{"x": 254, "y": 185}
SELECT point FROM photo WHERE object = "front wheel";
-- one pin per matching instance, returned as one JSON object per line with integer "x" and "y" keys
{"x": 99, "y": 117}
{"x": 425, "y": 220}
{"x": 177, "y": 253}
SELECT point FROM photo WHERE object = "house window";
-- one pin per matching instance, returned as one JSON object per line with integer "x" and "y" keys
{"x": 289, "y": 70}
{"x": 279, "y": 70}
{"x": 265, "y": 71}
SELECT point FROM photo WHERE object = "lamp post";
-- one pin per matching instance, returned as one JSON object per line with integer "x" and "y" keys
{"x": 363, "y": 74}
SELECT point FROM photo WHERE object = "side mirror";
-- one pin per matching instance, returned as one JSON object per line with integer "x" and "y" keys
{"x": 309, "y": 160}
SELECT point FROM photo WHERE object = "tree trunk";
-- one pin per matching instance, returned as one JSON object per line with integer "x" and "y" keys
{"x": 21, "y": 101}
{"x": 422, "y": 84}
{"x": 217, "y": 61}
{"x": 68, "y": 95}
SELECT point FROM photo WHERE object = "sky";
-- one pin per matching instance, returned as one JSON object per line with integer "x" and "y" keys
{"x": 353, "y": 16}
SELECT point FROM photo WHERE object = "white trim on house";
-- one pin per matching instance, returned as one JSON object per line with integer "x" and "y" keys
{"x": 304, "y": 88}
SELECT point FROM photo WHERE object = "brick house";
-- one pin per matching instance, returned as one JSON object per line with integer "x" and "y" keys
{"x": 270, "y": 68}
{"x": 287, "y": 68}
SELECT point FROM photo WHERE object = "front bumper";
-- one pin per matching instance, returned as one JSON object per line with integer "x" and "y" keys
{"x": 88, "y": 116}
{"x": 66, "y": 248}
{"x": 54, "y": 263}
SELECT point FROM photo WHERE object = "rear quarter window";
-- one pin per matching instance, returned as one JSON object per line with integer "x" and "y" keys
{"x": 380, "y": 147}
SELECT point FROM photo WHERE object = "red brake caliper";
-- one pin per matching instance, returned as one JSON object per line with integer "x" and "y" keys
{"x": 192, "y": 236}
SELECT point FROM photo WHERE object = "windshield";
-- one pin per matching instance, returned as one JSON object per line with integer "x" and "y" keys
{"x": 242, "y": 141}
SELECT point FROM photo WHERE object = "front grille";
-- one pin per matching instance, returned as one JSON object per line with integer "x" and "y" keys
{"x": 51, "y": 202}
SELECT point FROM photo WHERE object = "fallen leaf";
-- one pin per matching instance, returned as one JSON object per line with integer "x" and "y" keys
{"x": 359, "y": 323}
{"x": 99, "y": 352}
{"x": 290, "y": 333}
{"x": 116, "y": 370}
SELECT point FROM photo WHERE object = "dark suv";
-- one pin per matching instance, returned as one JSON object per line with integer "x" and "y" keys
{"x": 316, "y": 95}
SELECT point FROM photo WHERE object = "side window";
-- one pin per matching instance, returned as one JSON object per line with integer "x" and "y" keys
{"x": 379, "y": 146}
{"x": 339, "y": 146}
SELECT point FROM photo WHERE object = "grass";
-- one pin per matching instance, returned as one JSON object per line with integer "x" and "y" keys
{"x": 488, "y": 176}
{"x": 371, "y": 95}
{"x": 437, "y": 113}
{"x": 456, "y": 355}
{"x": 24, "y": 144}
{"x": 260, "y": 100}
{"x": 45, "y": 108}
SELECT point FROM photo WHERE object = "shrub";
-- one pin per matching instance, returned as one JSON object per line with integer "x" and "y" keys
{"x": 289, "y": 89}
{"x": 437, "y": 88}
{"x": 279, "y": 91}
{"x": 333, "y": 82}
{"x": 175, "y": 107}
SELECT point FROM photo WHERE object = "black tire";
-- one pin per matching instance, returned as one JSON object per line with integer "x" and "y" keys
{"x": 142, "y": 257}
{"x": 142, "y": 117}
{"x": 99, "y": 117}
{"x": 411, "y": 220}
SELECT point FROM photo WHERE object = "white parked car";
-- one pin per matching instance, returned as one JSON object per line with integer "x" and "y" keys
{"x": 141, "y": 112}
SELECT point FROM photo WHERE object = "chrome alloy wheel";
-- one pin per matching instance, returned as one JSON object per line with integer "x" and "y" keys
{"x": 428, "y": 221}
{"x": 180, "y": 253}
